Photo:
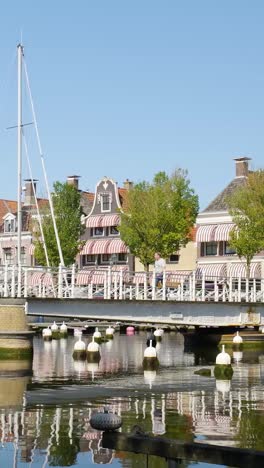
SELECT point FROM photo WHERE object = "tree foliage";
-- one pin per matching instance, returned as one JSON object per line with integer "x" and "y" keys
{"x": 67, "y": 208}
{"x": 246, "y": 206}
{"x": 159, "y": 216}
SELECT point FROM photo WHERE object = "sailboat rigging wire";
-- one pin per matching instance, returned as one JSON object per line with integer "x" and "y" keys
{"x": 43, "y": 166}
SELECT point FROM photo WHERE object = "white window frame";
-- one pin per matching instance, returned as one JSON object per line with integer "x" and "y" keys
{"x": 102, "y": 195}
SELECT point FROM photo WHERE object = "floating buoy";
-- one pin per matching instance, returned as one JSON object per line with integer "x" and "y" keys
{"x": 130, "y": 330}
{"x": 97, "y": 336}
{"x": 237, "y": 356}
{"x": 47, "y": 334}
{"x": 223, "y": 369}
{"x": 106, "y": 421}
{"x": 158, "y": 334}
{"x": 79, "y": 350}
{"x": 150, "y": 360}
{"x": 55, "y": 331}
{"x": 77, "y": 332}
{"x": 237, "y": 341}
{"x": 149, "y": 377}
{"x": 109, "y": 332}
{"x": 223, "y": 386}
{"x": 63, "y": 330}
{"x": 93, "y": 351}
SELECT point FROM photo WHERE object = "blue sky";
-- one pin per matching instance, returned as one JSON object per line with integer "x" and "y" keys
{"x": 128, "y": 88}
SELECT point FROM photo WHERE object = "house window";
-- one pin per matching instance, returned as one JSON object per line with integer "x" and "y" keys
{"x": 8, "y": 256}
{"x": 9, "y": 225}
{"x": 114, "y": 231}
{"x": 98, "y": 231}
{"x": 174, "y": 258}
{"x": 210, "y": 248}
{"x": 89, "y": 259}
{"x": 228, "y": 250}
{"x": 105, "y": 202}
{"x": 105, "y": 258}
{"x": 122, "y": 257}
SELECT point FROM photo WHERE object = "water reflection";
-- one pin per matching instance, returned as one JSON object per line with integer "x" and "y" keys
{"x": 44, "y": 419}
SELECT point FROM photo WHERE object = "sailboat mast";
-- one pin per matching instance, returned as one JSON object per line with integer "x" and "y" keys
{"x": 19, "y": 150}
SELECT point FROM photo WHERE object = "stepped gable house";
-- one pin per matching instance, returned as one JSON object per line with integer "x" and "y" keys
{"x": 215, "y": 256}
{"x": 103, "y": 245}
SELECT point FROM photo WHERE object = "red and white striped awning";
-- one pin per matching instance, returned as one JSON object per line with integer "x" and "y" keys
{"x": 99, "y": 277}
{"x": 101, "y": 247}
{"x": 222, "y": 232}
{"x": 212, "y": 270}
{"x": 139, "y": 277}
{"x": 117, "y": 246}
{"x": 83, "y": 277}
{"x": 31, "y": 249}
{"x": 94, "y": 221}
{"x": 177, "y": 275}
{"x": 239, "y": 270}
{"x": 35, "y": 278}
{"x": 88, "y": 247}
{"x": 110, "y": 220}
{"x": 205, "y": 233}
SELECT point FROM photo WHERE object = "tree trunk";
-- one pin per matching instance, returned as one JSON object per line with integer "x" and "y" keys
{"x": 248, "y": 260}
{"x": 146, "y": 267}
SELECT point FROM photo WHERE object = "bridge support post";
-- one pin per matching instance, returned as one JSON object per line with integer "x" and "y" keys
{"x": 15, "y": 337}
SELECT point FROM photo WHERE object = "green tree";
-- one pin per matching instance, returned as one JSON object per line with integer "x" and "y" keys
{"x": 159, "y": 216}
{"x": 67, "y": 209}
{"x": 246, "y": 206}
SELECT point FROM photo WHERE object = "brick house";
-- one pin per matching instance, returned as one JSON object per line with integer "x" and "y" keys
{"x": 214, "y": 224}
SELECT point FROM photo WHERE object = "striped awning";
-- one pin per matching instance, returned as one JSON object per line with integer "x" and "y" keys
{"x": 88, "y": 247}
{"x": 117, "y": 246}
{"x": 239, "y": 270}
{"x": 101, "y": 247}
{"x": 212, "y": 270}
{"x": 83, "y": 277}
{"x": 110, "y": 220}
{"x": 205, "y": 233}
{"x": 31, "y": 249}
{"x": 99, "y": 277}
{"x": 35, "y": 278}
{"x": 172, "y": 276}
{"x": 8, "y": 244}
{"x": 139, "y": 277}
{"x": 94, "y": 221}
{"x": 222, "y": 232}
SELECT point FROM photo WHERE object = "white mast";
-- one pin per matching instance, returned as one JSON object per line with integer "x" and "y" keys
{"x": 19, "y": 150}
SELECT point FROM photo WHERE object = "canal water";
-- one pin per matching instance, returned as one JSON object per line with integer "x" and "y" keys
{"x": 44, "y": 417}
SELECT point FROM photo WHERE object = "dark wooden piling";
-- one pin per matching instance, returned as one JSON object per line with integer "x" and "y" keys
{"x": 179, "y": 450}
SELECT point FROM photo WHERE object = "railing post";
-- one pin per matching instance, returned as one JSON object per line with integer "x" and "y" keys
{"x": 115, "y": 285}
{"x": 203, "y": 286}
{"x": 121, "y": 285}
{"x": 153, "y": 296}
{"x": 145, "y": 286}
{"x": 239, "y": 290}
{"x": 73, "y": 274}
{"x": 105, "y": 286}
{"x": 182, "y": 290}
{"x": 247, "y": 289}
{"x": 60, "y": 280}
{"x": 262, "y": 289}
{"x": 6, "y": 281}
{"x": 109, "y": 282}
{"x": 230, "y": 289}
{"x": 164, "y": 286}
{"x": 194, "y": 286}
{"x": 254, "y": 290}
{"x": 137, "y": 291}
{"x": 13, "y": 282}
{"x": 19, "y": 280}
{"x": 215, "y": 290}
{"x": 25, "y": 282}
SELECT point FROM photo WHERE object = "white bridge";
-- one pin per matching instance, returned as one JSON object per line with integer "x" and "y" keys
{"x": 120, "y": 284}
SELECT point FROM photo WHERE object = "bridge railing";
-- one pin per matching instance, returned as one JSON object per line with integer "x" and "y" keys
{"x": 120, "y": 284}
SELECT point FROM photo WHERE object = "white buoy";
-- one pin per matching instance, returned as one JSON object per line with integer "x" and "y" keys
{"x": 54, "y": 327}
{"x": 238, "y": 340}
{"x": 150, "y": 360}
{"x": 237, "y": 356}
{"x": 63, "y": 330}
{"x": 97, "y": 336}
{"x": 79, "y": 350}
{"x": 158, "y": 334}
{"x": 47, "y": 334}
{"x": 109, "y": 332}
{"x": 223, "y": 358}
{"x": 223, "y": 369}
{"x": 93, "y": 351}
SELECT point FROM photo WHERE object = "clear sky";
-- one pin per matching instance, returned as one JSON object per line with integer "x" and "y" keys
{"x": 128, "y": 88}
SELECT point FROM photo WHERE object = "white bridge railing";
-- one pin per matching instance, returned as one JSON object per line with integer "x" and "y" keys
{"x": 120, "y": 284}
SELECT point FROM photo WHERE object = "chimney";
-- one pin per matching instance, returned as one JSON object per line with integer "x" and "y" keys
{"x": 128, "y": 184}
{"x": 29, "y": 192}
{"x": 242, "y": 166}
{"x": 73, "y": 180}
